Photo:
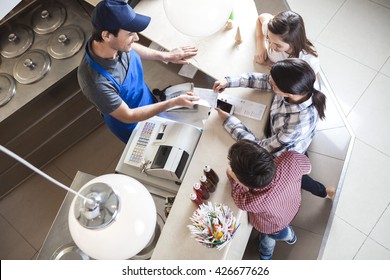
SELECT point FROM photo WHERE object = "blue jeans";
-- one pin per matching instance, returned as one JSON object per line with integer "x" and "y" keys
{"x": 267, "y": 242}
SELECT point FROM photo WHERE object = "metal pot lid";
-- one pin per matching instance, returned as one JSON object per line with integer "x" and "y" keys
{"x": 69, "y": 252}
{"x": 7, "y": 88}
{"x": 48, "y": 17}
{"x": 66, "y": 42}
{"x": 32, "y": 66}
{"x": 15, "y": 40}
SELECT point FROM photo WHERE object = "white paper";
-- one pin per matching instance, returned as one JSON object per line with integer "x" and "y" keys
{"x": 244, "y": 107}
{"x": 93, "y": 2}
{"x": 188, "y": 70}
{"x": 208, "y": 95}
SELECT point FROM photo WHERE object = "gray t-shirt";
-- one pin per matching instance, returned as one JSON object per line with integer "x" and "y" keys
{"x": 97, "y": 88}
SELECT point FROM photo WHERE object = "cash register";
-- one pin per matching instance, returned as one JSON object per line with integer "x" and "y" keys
{"x": 162, "y": 148}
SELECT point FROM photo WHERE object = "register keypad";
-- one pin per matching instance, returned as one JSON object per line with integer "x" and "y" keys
{"x": 139, "y": 149}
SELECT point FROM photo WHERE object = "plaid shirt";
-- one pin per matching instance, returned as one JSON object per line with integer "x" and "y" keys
{"x": 273, "y": 207}
{"x": 292, "y": 125}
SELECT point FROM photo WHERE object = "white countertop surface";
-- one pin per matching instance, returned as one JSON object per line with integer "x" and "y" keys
{"x": 218, "y": 54}
{"x": 175, "y": 241}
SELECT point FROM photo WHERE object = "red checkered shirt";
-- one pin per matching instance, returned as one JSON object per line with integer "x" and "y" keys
{"x": 273, "y": 207}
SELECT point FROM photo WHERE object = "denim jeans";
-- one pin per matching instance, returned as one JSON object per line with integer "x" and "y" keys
{"x": 267, "y": 242}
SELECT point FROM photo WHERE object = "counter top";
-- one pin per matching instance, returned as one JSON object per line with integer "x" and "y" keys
{"x": 218, "y": 54}
{"x": 176, "y": 241}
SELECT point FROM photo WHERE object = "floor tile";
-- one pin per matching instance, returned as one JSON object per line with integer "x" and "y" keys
{"x": 32, "y": 207}
{"x": 333, "y": 113}
{"x": 306, "y": 247}
{"x": 344, "y": 241}
{"x": 314, "y": 213}
{"x": 371, "y": 250}
{"x": 323, "y": 10}
{"x": 369, "y": 119}
{"x": 381, "y": 231}
{"x": 331, "y": 142}
{"x": 365, "y": 192}
{"x": 349, "y": 81}
{"x": 386, "y": 68}
{"x": 324, "y": 169}
{"x": 357, "y": 37}
{"x": 251, "y": 250}
{"x": 385, "y": 3}
{"x": 12, "y": 244}
{"x": 92, "y": 155}
{"x": 111, "y": 167}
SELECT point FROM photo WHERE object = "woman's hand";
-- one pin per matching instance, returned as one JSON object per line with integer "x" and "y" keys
{"x": 220, "y": 85}
{"x": 261, "y": 56}
{"x": 222, "y": 114}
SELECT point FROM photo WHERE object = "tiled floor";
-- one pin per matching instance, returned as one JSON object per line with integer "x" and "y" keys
{"x": 352, "y": 38}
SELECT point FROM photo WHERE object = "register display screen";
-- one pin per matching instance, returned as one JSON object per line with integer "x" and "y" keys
{"x": 161, "y": 157}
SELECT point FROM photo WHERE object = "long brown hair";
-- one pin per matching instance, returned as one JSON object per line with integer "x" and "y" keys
{"x": 291, "y": 28}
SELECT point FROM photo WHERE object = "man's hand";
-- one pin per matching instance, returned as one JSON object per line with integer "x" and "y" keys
{"x": 185, "y": 100}
{"x": 179, "y": 55}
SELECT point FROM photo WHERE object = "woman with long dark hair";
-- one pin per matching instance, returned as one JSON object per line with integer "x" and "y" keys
{"x": 294, "y": 112}
{"x": 283, "y": 36}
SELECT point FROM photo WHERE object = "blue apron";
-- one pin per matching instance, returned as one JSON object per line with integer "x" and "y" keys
{"x": 134, "y": 92}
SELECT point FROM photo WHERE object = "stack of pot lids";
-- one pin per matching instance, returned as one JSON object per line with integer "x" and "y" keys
{"x": 7, "y": 88}
{"x": 31, "y": 66}
{"x": 15, "y": 40}
{"x": 65, "y": 42}
{"x": 48, "y": 17}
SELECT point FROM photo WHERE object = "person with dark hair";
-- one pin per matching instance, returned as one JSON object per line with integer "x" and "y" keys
{"x": 269, "y": 189}
{"x": 111, "y": 75}
{"x": 295, "y": 109}
{"x": 283, "y": 36}
{"x": 294, "y": 112}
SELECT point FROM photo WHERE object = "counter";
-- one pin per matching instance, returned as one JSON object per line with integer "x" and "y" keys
{"x": 175, "y": 241}
{"x": 218, "y": 54}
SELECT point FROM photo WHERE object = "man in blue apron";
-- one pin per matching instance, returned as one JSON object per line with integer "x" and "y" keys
{"x": 111, "y": 75}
